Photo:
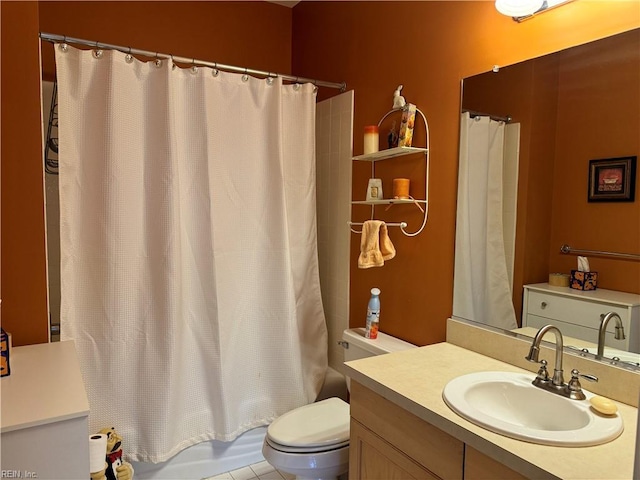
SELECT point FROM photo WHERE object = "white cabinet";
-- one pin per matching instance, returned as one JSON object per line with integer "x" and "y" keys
{"x": 44, "y": 414}
{"x": 577, "y": 313}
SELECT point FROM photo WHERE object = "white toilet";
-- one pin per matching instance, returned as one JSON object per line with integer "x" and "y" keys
{"x": 312, "y": 442}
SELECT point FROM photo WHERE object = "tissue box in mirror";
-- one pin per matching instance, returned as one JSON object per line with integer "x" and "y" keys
{"x": 583, "y": 280}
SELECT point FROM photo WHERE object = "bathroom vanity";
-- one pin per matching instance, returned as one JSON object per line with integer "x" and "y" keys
{"x": 45, "y": 432}
{"x": 578, "y": 313}
{"x": 402, "y": 428}
{"x": 389, "y": 442}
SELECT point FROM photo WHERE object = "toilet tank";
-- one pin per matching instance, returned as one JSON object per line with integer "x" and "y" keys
{"x": 357, "y": 346}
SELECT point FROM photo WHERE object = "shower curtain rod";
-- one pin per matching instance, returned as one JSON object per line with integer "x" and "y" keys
{"x": 54, "y": 38}
{"x": 497, "y": 118}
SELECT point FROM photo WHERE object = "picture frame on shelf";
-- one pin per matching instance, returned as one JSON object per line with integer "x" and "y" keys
{"x": 612, "y": 179}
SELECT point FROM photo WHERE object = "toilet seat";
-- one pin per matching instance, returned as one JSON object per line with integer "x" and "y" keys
{"x": 290, "y": 449}
{"x": 317, "y": 427}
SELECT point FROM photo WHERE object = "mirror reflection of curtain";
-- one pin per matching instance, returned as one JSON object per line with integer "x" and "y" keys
{"x": 189, "y": 248}
{"x": 52, "y": 206}
{"x": 482, "y": 281}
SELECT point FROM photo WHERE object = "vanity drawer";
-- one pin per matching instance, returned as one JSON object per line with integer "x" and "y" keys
{"x": 577, "y": 311}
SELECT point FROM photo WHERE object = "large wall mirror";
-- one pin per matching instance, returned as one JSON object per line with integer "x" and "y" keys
{"x": 552, "y": 115}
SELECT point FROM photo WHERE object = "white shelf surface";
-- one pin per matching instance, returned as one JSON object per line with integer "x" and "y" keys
{"x": 45, "y": 386}
{"x": 388, "y": 201}
{"x": 389, "y": 153}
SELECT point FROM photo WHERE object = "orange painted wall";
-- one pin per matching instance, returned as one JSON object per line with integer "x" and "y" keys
{"x": 428, "y": 47}
{"x": 252, "y": 34}
{"x": 24, "y": 285}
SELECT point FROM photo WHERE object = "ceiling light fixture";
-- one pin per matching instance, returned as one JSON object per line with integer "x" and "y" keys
{"x": 518, "y": 8}
{"x": 521, "y": 10}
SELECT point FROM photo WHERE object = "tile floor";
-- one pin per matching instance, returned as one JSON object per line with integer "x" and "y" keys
{"x": 257, "y": 471}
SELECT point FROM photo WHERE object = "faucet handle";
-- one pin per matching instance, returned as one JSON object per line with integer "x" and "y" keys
{"x": 574, "y": 387}
{"x": 543, "y": 373}
{"x": 575, "y": 374}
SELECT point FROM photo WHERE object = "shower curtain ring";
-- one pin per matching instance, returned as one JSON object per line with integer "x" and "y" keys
{"x": 194, "y": 69}
{"x": 128, "y": 57}
{"x": 97, "y": 53}
{"x": 245, "y": 77}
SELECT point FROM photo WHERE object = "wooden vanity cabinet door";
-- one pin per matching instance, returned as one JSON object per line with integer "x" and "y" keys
{"x": 478, "y": 466}
{"x": 429, "y": 447}
{"x": 371, "y": 458}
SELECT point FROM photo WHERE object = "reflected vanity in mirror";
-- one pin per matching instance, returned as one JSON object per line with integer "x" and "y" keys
{"x": 528, "y": 134}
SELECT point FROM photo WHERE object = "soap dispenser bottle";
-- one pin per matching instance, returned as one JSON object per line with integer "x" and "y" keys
{"x": 373, "y": 315}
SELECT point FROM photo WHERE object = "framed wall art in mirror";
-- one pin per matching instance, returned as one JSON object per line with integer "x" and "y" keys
{"x": 612, "y": 179}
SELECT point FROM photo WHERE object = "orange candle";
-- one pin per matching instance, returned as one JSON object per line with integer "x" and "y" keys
{"x": 400, "y": 188}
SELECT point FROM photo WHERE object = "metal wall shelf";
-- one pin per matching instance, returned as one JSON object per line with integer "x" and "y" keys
{"x": 394, "y": 153}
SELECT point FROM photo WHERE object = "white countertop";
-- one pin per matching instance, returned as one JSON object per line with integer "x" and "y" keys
{"x": 45, "y": 386}
{"x": 414, "y": 380}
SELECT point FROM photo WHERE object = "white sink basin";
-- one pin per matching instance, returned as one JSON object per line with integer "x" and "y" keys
{"x": 507, "y": 403}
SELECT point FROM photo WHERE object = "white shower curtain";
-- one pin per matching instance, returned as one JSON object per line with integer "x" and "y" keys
{"x": 189, "y": 260}
{"x": 482, "y": 289}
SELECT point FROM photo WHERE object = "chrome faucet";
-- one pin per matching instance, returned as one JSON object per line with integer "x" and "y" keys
{"x": 604, "y": 320}
{"x": 534, "y": 351}
{"x": 556, "y": 385}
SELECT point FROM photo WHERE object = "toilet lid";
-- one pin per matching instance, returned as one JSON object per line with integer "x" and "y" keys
{"x": 315, "y": 425}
